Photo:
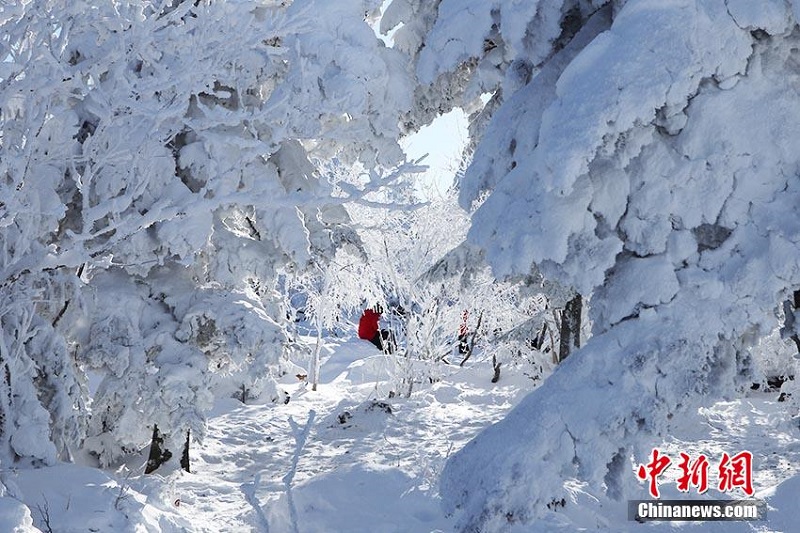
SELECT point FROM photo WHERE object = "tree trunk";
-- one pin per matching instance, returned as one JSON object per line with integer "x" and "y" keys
{"x": 471, "y": 345}
{"x": 570, "y": 327}
{"x": 158, "y": 453}
{"x": 789, "y": 326}
{"x": 538, "y": 341}
{"x": 185, "y": 454}
{"x": 5, "y": 409}
{"x": 496, "y": 367}
{"x": 314, "y": 370}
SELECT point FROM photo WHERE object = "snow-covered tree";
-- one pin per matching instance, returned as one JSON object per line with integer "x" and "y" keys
{"x": 332, "y": 290}
{"x": 513, "y": 321}
{"x": 157, "y": 174}
{"x": 429, "y": 281}
{"x": 644, "y": 154}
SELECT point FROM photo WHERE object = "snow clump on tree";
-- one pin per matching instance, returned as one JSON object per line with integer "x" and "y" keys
{"x": 650, "y": 162}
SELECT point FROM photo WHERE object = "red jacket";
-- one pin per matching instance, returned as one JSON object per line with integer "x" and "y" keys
{"x": 368, "y": 325}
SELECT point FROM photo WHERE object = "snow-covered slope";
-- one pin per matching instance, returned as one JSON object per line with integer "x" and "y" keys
{"x": 342, "y": 459}
{"x": 347, "y": 459}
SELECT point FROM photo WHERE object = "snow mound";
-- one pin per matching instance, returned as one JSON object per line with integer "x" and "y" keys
{"x": 70, "y": 498}
{"x": 15, "y": 517}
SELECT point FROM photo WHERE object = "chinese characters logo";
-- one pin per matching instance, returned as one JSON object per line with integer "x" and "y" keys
{"x": 731, "y": 472}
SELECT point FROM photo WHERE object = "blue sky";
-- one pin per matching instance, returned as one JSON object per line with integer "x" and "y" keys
{"x": 443, "y": 140}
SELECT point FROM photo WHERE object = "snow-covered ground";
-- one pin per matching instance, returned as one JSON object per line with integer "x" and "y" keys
{"x": 346, "y": 458}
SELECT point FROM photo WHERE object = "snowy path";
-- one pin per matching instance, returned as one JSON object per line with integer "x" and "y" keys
{"x": 360, "y": 469}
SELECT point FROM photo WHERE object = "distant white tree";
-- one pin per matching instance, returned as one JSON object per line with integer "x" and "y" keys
{"x": 335, "y": 290}
{"x": 428, "y": 281}
{"x": 511, "y": 320}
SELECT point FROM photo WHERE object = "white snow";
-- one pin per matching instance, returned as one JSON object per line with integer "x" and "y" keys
{"x": 359, "y": 469}
{"x": 173, "y": 175}
{"x": 676, "y": 124}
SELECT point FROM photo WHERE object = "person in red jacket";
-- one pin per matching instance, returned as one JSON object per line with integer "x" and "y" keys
{"x": 368, "y": 325}
{"x": 369, "y": 329}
